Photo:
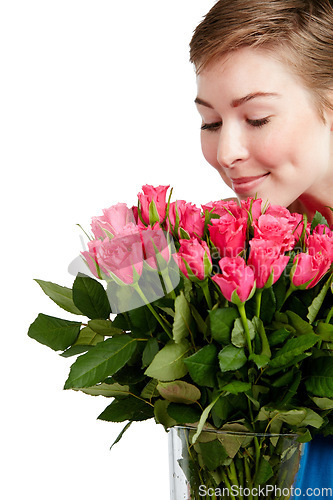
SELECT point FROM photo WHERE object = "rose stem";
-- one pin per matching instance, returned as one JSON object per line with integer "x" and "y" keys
{"x": 226, "y": 481}
{"x": 167, "y": 283}
{"x": 248, "y": 477}
{"x": 329, "y": 316}
{"x": 241, "y": 309}
{"x": 258, "y": 301}
{"x": 150, "y": 307}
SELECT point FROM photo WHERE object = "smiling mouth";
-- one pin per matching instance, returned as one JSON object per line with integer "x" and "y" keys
{"x": 244, "y": 185}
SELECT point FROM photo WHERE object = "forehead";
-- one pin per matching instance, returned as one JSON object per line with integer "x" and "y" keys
{"x": 246, "y": 70}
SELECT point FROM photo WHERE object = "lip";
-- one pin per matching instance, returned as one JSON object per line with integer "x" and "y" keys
{"x": 244, "y": 185}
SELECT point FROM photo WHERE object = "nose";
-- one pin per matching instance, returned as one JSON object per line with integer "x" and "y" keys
{"x": 231, "y": 146}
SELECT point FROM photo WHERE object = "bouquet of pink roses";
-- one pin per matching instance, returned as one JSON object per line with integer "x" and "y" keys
{"x": 217, "y": 317}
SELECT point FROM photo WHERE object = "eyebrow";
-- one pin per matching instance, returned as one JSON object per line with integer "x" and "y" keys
{"x": 237, "y": 102}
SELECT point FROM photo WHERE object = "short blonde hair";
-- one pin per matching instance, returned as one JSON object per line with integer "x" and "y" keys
{"x": 298, "y": 32}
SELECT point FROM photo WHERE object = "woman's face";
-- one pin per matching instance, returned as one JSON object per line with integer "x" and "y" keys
{"x": 261, "y": 130}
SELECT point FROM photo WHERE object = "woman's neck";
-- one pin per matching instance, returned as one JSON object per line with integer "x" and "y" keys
{"x": 309, "y": 205}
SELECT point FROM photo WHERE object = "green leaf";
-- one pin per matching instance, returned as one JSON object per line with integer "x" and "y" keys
{"x": 325, "y": 331}
{"x": 323, "y": 403}
{"x": 203, "y": 418}
{"x": 104, "y": 327}
{"x": 238, "y": 336}
{"x": 61, "y": 295}
{"x": 221, "y": 323}
{"x": 278, "y": 336}
{"x": 88, "y": 337}
{"x": 183, "y": 414}
{"x": 292, "y": 363}
{"x": 149, "y": 352}
{"x": 260, "y": 360}
{"x": 293, "y": 417}
{"x": 179, "y": 391}
{"x": 181, "y": 323}
{"x": 142, "y": 321}
{"x": 184, "y": 234}
{"x": 106, "y": 390}
{"x": 264, "y": 472}
{"x": 292, "y": 389}
{"x": 201, "y": 324}
{"x": 317, "y": 302}
{"x": 231, "y": 440}
{"x": 56, "y": 333}
{"x": 292, "y": 348}
{"x": 90, "y": 297}
{"x": 130, "y": 408}
{"x": 231, "y": 358}
{"x": 268, "y": 305}
{"x": 74, "y": 350}
{"x": 161, "y": 414}
{"x": 213, "y": 454}
{"x": 280, "y": 289}
{"x": 202, "y": 365}
{"x": 150, "y": 391}
{"x": 284, "y": 379}
{"x": 318, "y": 219}
{"x": 265, "y": 347}
{"x": 236, "y": 386}
{"x": 302, "y": 327}
{"x": 120, "y": 435}
{"x": 320, "y": 382}
{"x": 168, "y": 364}
{"x": 105, "y": 359}
{"x": 312, "y": 418}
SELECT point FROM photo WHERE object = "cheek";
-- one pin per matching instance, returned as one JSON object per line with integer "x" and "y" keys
{"x": 270, "y": 150}
{"x": 209, "y": 145}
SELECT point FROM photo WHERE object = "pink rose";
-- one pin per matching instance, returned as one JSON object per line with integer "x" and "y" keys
{"x": 91, "y": 257}
{"x": 236, "y": 276}
{"x": 196, "y": 255}
{"x": 122, "y": 255}
{"x": 228, "y": 234}
{"x": 189, "y": 218}
{"x": 323, "y": 229}
{"x": 113, "y": 220}
{"x": 295, "y": 220}
{"x": 153, "y": 194}
{"x": 135, "y": 213}
{"x": 316, "y": 262}
{"x": 153, "y": 241}
{"x": 321, "y": 243}
{"x": 275, "y": 229}
{"x": 222, "y": 207}
{"x": 264, "y": 258}
{"x": 252, "y": 205}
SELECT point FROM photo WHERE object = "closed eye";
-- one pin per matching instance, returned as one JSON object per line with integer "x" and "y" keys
{"x": 258, "y": 123}
{"x": 211, "y": 126}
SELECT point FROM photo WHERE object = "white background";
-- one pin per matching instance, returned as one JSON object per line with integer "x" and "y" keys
{"x": 96, "y": 100}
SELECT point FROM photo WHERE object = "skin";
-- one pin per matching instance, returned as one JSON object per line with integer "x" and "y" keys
{"x": 262, "y": 132}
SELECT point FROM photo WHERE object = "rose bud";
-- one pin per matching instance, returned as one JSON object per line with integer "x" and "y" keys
{"x": 236, "y": 282}
{"x": 193, "y": 259}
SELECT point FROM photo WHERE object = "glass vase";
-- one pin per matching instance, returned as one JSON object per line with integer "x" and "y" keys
{"x": 232, "y": 465}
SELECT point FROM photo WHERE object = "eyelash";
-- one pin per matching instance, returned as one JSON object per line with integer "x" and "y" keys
{"x": 212, "y": 127}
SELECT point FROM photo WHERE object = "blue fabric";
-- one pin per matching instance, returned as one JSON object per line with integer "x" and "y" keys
{"x": 316, "y": 469}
